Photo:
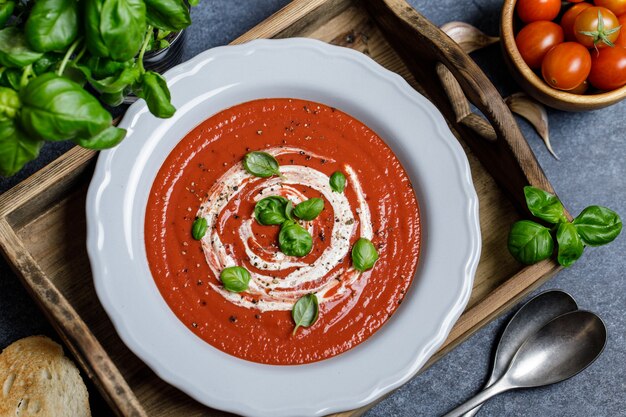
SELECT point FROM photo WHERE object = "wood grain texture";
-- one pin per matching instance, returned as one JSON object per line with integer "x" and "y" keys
{"x": 534, "y": 85}
{"x": 42, "y": 220}
{"x": 69, "y": 324}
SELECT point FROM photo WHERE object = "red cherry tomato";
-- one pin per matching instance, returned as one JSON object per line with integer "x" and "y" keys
{"x": 621, "y": 39}
{"x": 533, "y": 10}
{"x": 580, "y": 89}
{"x": 616, "y": 6}
{"x": 536, "y": 39}
{"x": 569, "y": 17}
{"x": 596, "y": 27}
{"x": 608, "y": 68}
{"x": 566, "y": 65}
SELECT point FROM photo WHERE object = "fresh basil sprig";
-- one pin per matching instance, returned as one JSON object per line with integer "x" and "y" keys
{"x": 309, "y": 209}
{"x": 271, "y": 210}
{"x": 530, "y": 242}
{"x": 199, "y": 228}
{"x": 52, "y": 49}
{"x": 235, "y": 278}
{"x": 261, "y": 164}
{"x": 294, "y": 240}
{"x": 364, "y": 255}
{"x": 337, "y": 182}
{"x": 305, "y": 311}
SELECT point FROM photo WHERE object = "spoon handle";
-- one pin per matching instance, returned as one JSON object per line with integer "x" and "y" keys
{"x": 473, "y": 411}
{"x": 479, "y": 398}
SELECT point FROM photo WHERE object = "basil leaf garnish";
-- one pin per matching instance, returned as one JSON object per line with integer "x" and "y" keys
{"x": 289, "y": 210}
{"x": 544, "y": 205}
{"x": 235, "y": 278}
{"x": 364, "y": 255}
{"x": 309, "y": 209}
{"x": 570, "y": 244}
{"x": 271, "y": 210}
{"x": 305, "y": 311}
{"x": 337, "y": 182}
{"x": 261, "y": 164}
{"x": 199, "y": 228}
{"x": 530, "y": 242}
{"x": 598, "y": 225}
{"x": 294, "y": 240}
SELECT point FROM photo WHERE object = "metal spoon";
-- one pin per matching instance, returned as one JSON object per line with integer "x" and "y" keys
{"x": 559, "y": 350}
{"x": 531, "y": 317}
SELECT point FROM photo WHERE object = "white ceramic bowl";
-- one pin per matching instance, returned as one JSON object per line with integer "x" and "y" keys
{"x": 339, "y": 77}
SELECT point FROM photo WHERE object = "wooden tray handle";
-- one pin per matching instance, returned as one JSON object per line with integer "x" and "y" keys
{"x": 461, "y": 106}
{"x": 448, "y": 75}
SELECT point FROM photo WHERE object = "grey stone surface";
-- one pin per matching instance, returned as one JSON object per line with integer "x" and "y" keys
{"x": 592, "y": 170}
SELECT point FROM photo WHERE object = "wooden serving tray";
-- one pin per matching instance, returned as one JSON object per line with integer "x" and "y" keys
{"x": 42, "y": 220}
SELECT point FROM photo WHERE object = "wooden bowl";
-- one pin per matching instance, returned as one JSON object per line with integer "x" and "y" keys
{"x": 534, "y": 85}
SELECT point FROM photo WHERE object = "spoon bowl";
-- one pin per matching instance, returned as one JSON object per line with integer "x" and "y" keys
{"x": 558, "y": 351}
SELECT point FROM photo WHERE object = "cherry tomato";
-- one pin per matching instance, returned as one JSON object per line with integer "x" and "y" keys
{"x": 580, "y": 89}
{"x": 536, "y": 39}
{"x": 567, "y": 21}
{"x": 596, "y": 27}
{"x": 621, "y": 39}
{"x": 566, "y": 65}
{"x": 533, "y": 10}
{"x": 608, "y": 68}
{"x": 616, "y": 6}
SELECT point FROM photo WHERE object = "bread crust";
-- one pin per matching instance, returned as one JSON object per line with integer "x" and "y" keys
{"x": 37, "y": 380}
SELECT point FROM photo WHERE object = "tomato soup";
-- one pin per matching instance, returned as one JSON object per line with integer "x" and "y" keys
{"x": 204, "y": 178}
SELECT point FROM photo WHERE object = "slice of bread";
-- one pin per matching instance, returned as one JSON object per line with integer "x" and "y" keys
{"x": 37, "y": 380}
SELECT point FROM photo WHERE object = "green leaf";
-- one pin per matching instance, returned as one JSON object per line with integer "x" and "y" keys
{"x": 309, "y": 209}
{"x": 530, "y": 242}
{"x": 544, "y": 205}
{"x": 289, "y": 210}
{"x": 154, "y": 90}
{"x": 52, "y": 25}
{"x": 305, "y": 311}
{"x": 271, "y": 210}
{"x": 16, "y": 149}
{"x": 112, "y": 99}
{"x": 9, "y": 103}
{"x": 106, "y": 139}
{"x": 337, "y": 182}
{"x": 172, "y": 15}
{"x": 261, "y": 164}
{"x": 235, "y": 278}
{"x": 194, "y": 2}
{"x": 6, "y": 10}
{"x": 14, "y": 51}
{"x": 55, "y": 108}
{"x": 570, "y": 244}
{"x": 294, "y": 240}
{"x": 364, "y": 255}
{"x": 11, "y": 77}
{"x": 114, "y": 28}
{"x": 105, "y": 67}
{"x": 114, "y": 83}
{"x": 45, "y": 63}
{"x": 598, "y": 225}
{"x": 199, "y": 228}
